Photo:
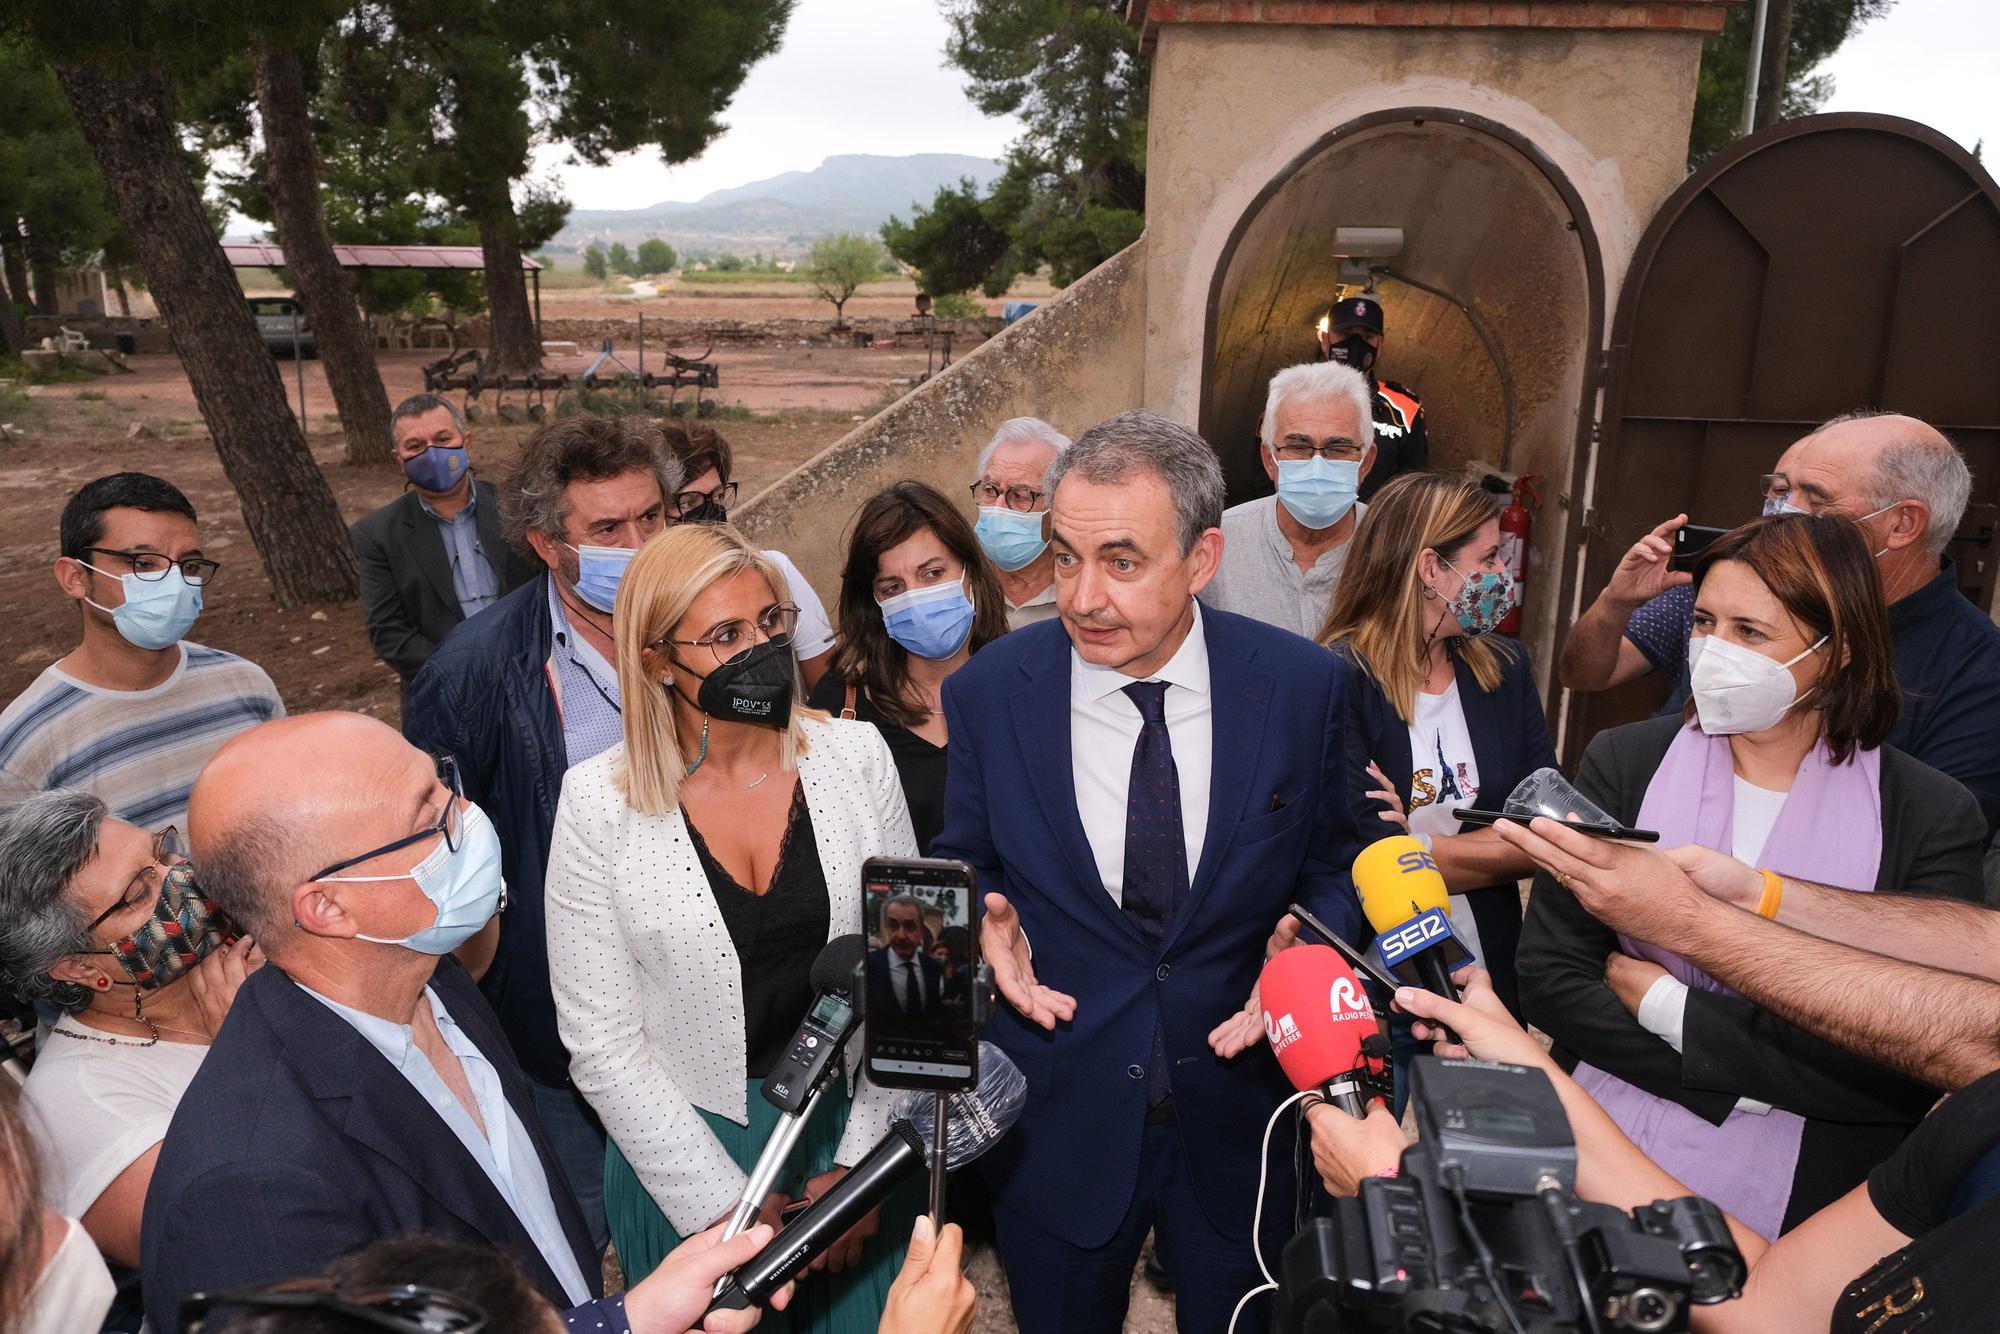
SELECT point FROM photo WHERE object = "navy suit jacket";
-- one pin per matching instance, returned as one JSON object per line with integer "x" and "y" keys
{"x": 1280, "y": 828}
{"x": 297, "y": 1143}
{"x": 880, "y": 984}
{"x": 1510, "y": 740}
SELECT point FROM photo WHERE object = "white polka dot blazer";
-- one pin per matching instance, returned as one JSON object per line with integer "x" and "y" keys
{"x": 648, "y": 987}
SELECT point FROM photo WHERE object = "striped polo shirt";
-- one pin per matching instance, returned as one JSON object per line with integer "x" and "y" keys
{"x": 139, "y": 750}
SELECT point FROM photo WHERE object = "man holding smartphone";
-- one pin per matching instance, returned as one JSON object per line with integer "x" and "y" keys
{"x": 1141, "y": 789}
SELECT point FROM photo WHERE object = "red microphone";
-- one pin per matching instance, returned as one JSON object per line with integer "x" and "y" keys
{"x": 1318, "y": 1019}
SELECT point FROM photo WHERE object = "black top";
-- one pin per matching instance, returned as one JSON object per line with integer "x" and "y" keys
{"x": 1943, "y": 1189}
{"x": 1856, "y": 1112}
{"x": 777, "y": 935}
{"x": 918, "y": 763}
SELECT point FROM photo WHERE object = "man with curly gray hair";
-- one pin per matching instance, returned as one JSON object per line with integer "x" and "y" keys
{"x": 524, "y": 690}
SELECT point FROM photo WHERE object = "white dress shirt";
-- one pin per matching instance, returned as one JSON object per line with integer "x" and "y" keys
{"x": 908, "y": 973}
{"x": 1104, "y": 726}
{"x": 505, "y": 1152}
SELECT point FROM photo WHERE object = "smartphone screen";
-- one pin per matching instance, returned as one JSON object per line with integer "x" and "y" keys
{"x": 923, "y": 957}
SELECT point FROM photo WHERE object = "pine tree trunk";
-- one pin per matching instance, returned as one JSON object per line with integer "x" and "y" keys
{"x": 117, "y": 277}
{"x": 42, "y": 270}
{"x": 14, "y": 257}
{"x": 1775, "y": 67}
{"x": 514, "y": 347}
{"x": 12, "y": 337}
{"x": 292, "y": 177}
{"x": 127, "y": 116}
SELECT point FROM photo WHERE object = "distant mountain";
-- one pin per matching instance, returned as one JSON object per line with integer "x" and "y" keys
{"x": 851, "y": 192}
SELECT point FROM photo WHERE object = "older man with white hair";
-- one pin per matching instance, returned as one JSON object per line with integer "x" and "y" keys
{"x": 1283, "y": 553}
{"x": 1013, "y": 515}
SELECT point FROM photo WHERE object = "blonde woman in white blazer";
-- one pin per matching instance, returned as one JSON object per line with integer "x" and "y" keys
{"x": 701, "y": 835}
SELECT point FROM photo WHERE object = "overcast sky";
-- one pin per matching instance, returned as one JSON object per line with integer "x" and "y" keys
{"x": 836, "y": 85}
{"x": 841, "y": 86}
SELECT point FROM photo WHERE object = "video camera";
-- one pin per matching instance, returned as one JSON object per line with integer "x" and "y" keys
{"x": 1482, "y": 1230}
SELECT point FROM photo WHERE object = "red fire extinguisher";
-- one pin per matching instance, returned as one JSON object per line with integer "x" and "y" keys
{"x": 1517, "y": 526}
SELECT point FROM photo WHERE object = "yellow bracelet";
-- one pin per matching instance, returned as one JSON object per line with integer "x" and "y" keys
{"x": 1774, "y": 890}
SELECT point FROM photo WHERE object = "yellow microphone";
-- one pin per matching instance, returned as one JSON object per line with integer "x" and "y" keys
{"x": 1405, "y": 900}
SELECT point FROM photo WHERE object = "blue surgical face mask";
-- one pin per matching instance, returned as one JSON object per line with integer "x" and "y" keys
{"x": 932, "y": 622}
{"x": 599, "y": 571}
{"x": 1318, "y": 492}
{"x": 465, "y": 886}
{"x": 438, "y": 469}
{"x": 157, "y": 612}
{"x": 1012, "y": 539}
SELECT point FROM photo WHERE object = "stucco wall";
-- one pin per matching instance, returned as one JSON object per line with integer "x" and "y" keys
{"x": 1073, "y": 362}
{"x": 1232, "y": 106}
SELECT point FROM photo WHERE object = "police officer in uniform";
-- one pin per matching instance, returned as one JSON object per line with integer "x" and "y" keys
{"x": 1353, "y": 335}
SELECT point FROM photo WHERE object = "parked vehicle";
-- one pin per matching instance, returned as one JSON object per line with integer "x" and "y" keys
{"x": 283, "y": 324}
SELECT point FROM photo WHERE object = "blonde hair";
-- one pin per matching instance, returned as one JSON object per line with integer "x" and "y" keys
{"x": 664, "y": 579}
{"x": 1378, "y": 616}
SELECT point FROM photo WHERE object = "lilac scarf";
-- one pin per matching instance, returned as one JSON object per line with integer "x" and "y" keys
{"x": 1830, "y": 831}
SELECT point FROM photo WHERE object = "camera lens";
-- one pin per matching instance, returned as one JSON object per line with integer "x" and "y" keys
{"x": 1650, "y": 1310}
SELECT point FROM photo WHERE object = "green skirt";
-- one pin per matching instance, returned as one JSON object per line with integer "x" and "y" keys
{"x": 849, "y": 1302}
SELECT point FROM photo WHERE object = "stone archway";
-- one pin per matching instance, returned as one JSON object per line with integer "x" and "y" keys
{"x": 1486, "y": 218}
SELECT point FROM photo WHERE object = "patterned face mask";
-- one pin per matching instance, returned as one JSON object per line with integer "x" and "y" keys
{"x": 1484, "y": 600}
{"x": 185, "y": 928}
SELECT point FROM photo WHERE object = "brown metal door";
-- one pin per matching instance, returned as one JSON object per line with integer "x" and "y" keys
{"x": 1826, "y": 264}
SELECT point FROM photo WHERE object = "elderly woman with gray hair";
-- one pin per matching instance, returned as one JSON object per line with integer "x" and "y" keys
{"x": 103, "y": 920}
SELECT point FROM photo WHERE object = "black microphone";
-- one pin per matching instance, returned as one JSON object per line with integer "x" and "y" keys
{"x": 976, "y": 1120}
{"x": 888, "y": 1165}
{"x": 796, "y": 1081}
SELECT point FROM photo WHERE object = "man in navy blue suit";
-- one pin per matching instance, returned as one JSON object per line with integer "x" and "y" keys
{"x": 361, "y": 1087}
{"x": 1142, "y": 787}
{"x": 903, "y": 979}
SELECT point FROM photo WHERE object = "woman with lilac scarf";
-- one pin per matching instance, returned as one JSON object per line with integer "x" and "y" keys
{"x": 1778, "y": 762}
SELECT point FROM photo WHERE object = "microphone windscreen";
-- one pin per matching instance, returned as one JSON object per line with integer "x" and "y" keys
{"x": 833, "y": 969}
{"x": 1316, "y": 1014}
{"x": 977, "y": 1117}
{"x": 1396, "y": 879}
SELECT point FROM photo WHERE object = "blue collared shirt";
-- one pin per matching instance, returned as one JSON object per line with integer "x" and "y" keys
{"x": 505, "y": 1152}
{"x": 473, "y": 581}
{"x": 586, "y": 688}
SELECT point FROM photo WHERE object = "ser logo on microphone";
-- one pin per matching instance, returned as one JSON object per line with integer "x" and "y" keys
{"x": 1281, "y": 1029}
{"x": 1421, "y": 932}
{"x": 1416, "y": 862}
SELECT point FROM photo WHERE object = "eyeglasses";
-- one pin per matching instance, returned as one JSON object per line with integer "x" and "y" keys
{"x": 449, "y": 824}
{"x": 1022, "y": 498}
{"x": 153, "y": 565}
{"x": 732, "y": 640}
{"x": 403, "y": 1308}
{"x": 1337, "y": 451}
{"x": 145, "y": 886}
{"x": 688, "y": 502}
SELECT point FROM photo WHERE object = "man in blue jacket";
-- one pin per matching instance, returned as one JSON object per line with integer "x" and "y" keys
{"x": 529, "y": 687}
{"x": 1141, "y": 787}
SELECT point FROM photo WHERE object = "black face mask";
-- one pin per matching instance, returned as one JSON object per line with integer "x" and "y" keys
{"x": 1353, "y": 350}
{"x": 757, "y": 688}
{"x": 709, "y": 511}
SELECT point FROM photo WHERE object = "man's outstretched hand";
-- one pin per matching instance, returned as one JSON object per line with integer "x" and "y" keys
{"x": 1245, "y": 1029}
{"x": 1006, "y": 949}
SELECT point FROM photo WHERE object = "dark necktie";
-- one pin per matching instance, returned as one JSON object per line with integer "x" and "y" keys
{"x": 1156, "y": 870}
{"x": 913, "y": 991}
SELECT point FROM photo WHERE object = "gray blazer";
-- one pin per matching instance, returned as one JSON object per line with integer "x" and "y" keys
{"x": 407, "y": 601}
